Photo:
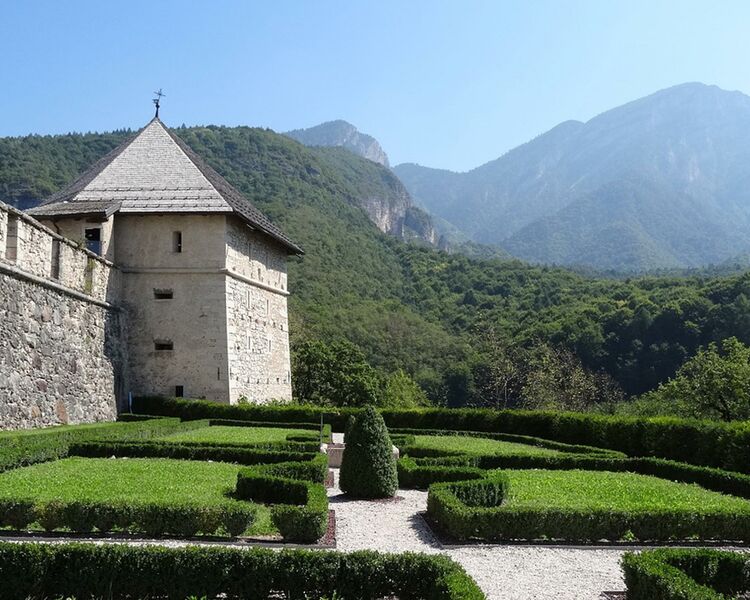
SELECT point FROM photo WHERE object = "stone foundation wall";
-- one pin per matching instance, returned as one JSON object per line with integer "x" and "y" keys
{"x": 61, "y": 341}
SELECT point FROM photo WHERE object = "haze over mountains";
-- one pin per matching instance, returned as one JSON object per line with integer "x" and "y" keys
{"x": 661, "y": 182}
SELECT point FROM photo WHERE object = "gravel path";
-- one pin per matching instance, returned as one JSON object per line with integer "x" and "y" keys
{"x": 503, "y": 572}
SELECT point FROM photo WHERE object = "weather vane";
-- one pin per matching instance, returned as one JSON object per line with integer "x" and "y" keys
{"x": 157, "y": 101}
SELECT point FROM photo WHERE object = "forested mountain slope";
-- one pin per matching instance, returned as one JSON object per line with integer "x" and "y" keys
{"x": 414, "y": 307}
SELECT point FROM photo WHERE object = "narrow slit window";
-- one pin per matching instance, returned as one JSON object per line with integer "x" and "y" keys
{"x": 177, "y": 242}
{"x": 11, "y": 244}
{"x": 163, "y": 294}
{"x": 179, "y": 391}
{"x": 55, "y": 260}
{"x": 162, "y": 345}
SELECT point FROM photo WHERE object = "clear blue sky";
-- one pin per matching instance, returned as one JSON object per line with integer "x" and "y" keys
{"x": 444, "y": 84}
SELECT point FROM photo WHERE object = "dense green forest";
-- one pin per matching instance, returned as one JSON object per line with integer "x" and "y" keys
{"x": 416, "y": 309}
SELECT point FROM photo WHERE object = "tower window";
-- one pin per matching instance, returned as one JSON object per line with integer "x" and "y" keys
{"x": 163, "y": 294}
{"x": 179, "y": 391}
{"x": 177, "y": 241}
{"x": 93, "y": 237}
{"x": 161, "y": 345}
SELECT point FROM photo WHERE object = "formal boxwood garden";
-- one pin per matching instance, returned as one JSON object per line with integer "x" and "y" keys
{"x": 163, "y": 477}
{"x": 149, "y": 496}
{"x": 584, "y": 506}
{"x": 119, "y": 572}
{"x": 686, "y": 574}
{"x": 705, "y": 443}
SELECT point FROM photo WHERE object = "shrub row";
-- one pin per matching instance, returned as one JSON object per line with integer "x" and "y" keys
{"x": 20, "y": 448}
{"x": 516, "y": 439}
{"x": 295, "y": 490}
{"x": 150, "y": 519}
{"x": 674, "y": 574}
{"x": 313, "y": 427}
{"x": 293, "y": 414}
{"x": 413, "y": 475}
{"x": 178, "y": 450}
{"x": 707, "y": 443}
{"x": 471, "y": 510}
{"x": 304, "y": 445}
{"x": 119, "y": 572}
{"x": 415, "y": 472}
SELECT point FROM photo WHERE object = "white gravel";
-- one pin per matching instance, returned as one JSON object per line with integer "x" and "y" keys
{"x": 503, "y": 572}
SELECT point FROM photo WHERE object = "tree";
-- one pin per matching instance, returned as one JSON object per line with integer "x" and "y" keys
{"x": 715, "y": 383}
{"x": 401, "y": 391}
{"x": 503, "y": 363}
{"x": 556, "y": 380}
{"x": 335, "y": 374}
{"x": 368, "y": 467}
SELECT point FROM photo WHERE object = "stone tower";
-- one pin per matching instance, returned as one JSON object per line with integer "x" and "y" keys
{"x": 203, "y": 284}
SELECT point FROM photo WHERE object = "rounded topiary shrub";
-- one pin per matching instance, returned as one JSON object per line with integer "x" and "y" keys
{"x": 368, "y": 468}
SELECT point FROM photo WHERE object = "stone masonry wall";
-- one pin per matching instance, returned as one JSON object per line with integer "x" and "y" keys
{"x": 257, "y": 319}
{"x": 61, "y": 341}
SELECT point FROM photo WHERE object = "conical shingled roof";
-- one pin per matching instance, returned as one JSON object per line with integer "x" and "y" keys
{"x": 155, "y": 172}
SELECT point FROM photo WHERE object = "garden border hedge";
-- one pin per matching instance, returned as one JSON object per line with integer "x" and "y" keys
{"x": 295, "y": 491}
{"x": 159, "y": 449}
{"x": 513, "y": 438}
{"x": 152, "y": 519}
{"x": 679, "y": 574}
{"x": 421, "y": 472}
{"x": 38, "y": 571}
{"x": 21, "y": 448}
{"x": 706, "y": 443}
{"x": 472, "y": 510}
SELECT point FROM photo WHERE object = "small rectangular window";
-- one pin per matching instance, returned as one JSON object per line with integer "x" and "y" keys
{"x": 179, "y": 391}
{"x": 177, "y": 241}
{"x": 163, "y": 294}
{"x": 93, "y": 238}
{"x": 163, "y": 345}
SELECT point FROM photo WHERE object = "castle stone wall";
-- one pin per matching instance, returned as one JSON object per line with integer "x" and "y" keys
{"x": 61, "y": 341}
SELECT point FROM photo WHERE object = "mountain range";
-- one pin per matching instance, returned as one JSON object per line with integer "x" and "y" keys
{"x": 661, "y": 182}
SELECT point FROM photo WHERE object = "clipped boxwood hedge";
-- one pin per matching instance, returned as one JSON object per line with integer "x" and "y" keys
{"x": 505, "y": 437}
{"x": 119, "y": 572}
{"x": 679, "y": 574}
{"x": 421, "y": 472}
{"x": 21, "y": 448}
{"x": 242, "y": 455}
{"x": 299, "y": 502}
{"x": 151, "y": 519}
{"x": 475, "y": 510}
{"x": 706, "y": 443}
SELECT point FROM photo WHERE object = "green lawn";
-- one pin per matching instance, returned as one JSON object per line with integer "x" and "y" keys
{"x": 132, "y": 480}
{"x": 612, "y": 491}
{"x": 235, "y": 435}
{"x": 478, "y": 445}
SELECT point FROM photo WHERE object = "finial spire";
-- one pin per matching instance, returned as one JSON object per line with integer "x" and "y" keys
{"x": 157, "y": 101}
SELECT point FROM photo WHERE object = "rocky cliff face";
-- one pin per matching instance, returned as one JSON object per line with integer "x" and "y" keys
{"x": 342, "y": 134}
{"x": 381, "y": 194}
